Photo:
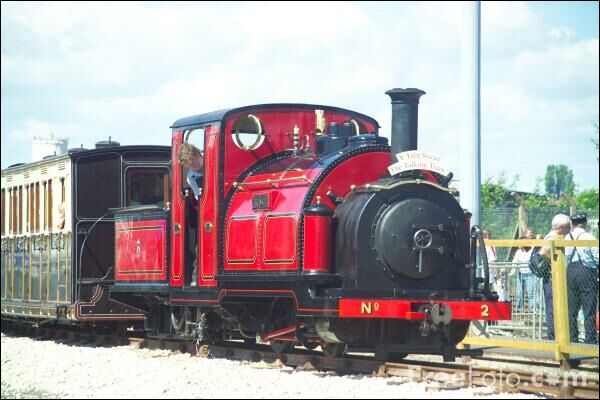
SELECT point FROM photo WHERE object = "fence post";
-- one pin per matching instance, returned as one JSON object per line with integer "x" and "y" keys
{"x": 560, "y": 299}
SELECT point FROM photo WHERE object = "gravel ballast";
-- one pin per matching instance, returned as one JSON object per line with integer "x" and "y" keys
{"x": 47, "y": 369}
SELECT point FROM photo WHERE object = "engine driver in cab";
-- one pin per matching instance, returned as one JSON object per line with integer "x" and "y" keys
{"x": 190, "y": 156}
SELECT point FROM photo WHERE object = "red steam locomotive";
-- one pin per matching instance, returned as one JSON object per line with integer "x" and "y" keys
{"x": 302, "y": 238}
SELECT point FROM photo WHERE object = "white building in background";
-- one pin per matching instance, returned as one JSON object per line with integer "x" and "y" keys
{"x": 42, "y": 147}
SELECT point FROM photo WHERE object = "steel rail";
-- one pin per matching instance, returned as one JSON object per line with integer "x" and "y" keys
{"x": 447, "y": 375}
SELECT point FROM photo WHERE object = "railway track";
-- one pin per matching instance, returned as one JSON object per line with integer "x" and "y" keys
{"x": 559, "y": 383}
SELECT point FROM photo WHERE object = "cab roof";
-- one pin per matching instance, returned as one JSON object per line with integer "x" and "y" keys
{"x": 220, "y": 115}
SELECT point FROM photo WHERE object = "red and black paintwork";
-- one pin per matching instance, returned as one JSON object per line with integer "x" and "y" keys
{"x": 270, "y": 244}
{"x": 278, "y": 224}
{"x": 142, "y": 240}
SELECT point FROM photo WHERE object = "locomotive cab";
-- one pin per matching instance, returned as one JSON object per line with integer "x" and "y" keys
{"x": 258, "y": 166}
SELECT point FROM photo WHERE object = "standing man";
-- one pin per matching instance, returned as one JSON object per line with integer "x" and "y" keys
{"x": 582, "y": 280}
{"x": 561, "y": 225}
{"x": 189, "y": 156}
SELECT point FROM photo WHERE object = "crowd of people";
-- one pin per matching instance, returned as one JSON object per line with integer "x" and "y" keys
{"x": 582, "y": 276}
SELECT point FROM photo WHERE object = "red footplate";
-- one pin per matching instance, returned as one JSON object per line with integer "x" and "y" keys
{"x": 409, "y": 309}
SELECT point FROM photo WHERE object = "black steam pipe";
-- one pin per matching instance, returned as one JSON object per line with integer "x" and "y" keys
{"x": 405, "y": 119}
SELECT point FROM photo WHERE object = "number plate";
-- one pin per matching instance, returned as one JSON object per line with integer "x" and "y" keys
{"x": 260, "y": 202}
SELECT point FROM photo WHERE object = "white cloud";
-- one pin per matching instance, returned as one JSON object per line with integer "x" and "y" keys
{"x": 561, "y": 33}
{"x": 133, "y": 68}
{"x": 285, "y": 21}
{"x": 32, "y": 128}
{"x": 566, "y": 67}
{"x": 505, "y": 24}
{"x": 508, "y": 16}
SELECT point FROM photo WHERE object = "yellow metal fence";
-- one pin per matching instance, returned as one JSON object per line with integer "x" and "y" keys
{"x": 530, "y": 316}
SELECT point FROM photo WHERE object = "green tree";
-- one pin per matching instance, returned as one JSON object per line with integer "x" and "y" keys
{"x": 536, "y": 200}
{"x": 587, "y": 199}
{"x": 496, "y": 193}
{"x": 559, "y": 180}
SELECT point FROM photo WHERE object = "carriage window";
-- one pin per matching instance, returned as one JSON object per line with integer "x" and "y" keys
{"x": 147, "y": 186}
{"x": 37, "y": 207}
{"x": 13, "y": 212}
{"x": 30, "y": 208}
{"x": 20, "y": 210}
{"x": 49, "y": 205}
{"x": 3, "y": 211}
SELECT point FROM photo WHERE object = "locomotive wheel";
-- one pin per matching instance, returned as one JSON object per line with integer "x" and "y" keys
{"x": 183, "y": 315}
{"x": 333, "y": 349}
{"x": 281, "y": 315}
{"x": 280, "y": 346}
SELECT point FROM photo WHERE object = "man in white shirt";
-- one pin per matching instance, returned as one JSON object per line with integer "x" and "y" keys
{"x": 561, "y": 225}
{"x": 582, "y": 280}
{"x": 189, "y": 156}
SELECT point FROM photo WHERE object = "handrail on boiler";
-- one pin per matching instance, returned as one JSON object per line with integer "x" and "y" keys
{"x": 273, "y": 182}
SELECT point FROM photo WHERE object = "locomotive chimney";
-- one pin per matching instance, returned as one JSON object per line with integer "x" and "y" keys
{"x": 405, "y": 110}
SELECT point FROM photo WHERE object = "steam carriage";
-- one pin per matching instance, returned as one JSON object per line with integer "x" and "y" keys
{"x": 302, "y": 236}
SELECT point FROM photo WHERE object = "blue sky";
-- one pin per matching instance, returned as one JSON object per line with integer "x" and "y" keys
{"x": 84, "y": 71}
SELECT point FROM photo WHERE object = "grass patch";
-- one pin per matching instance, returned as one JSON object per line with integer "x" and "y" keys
{"x": 9, "y": 392}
